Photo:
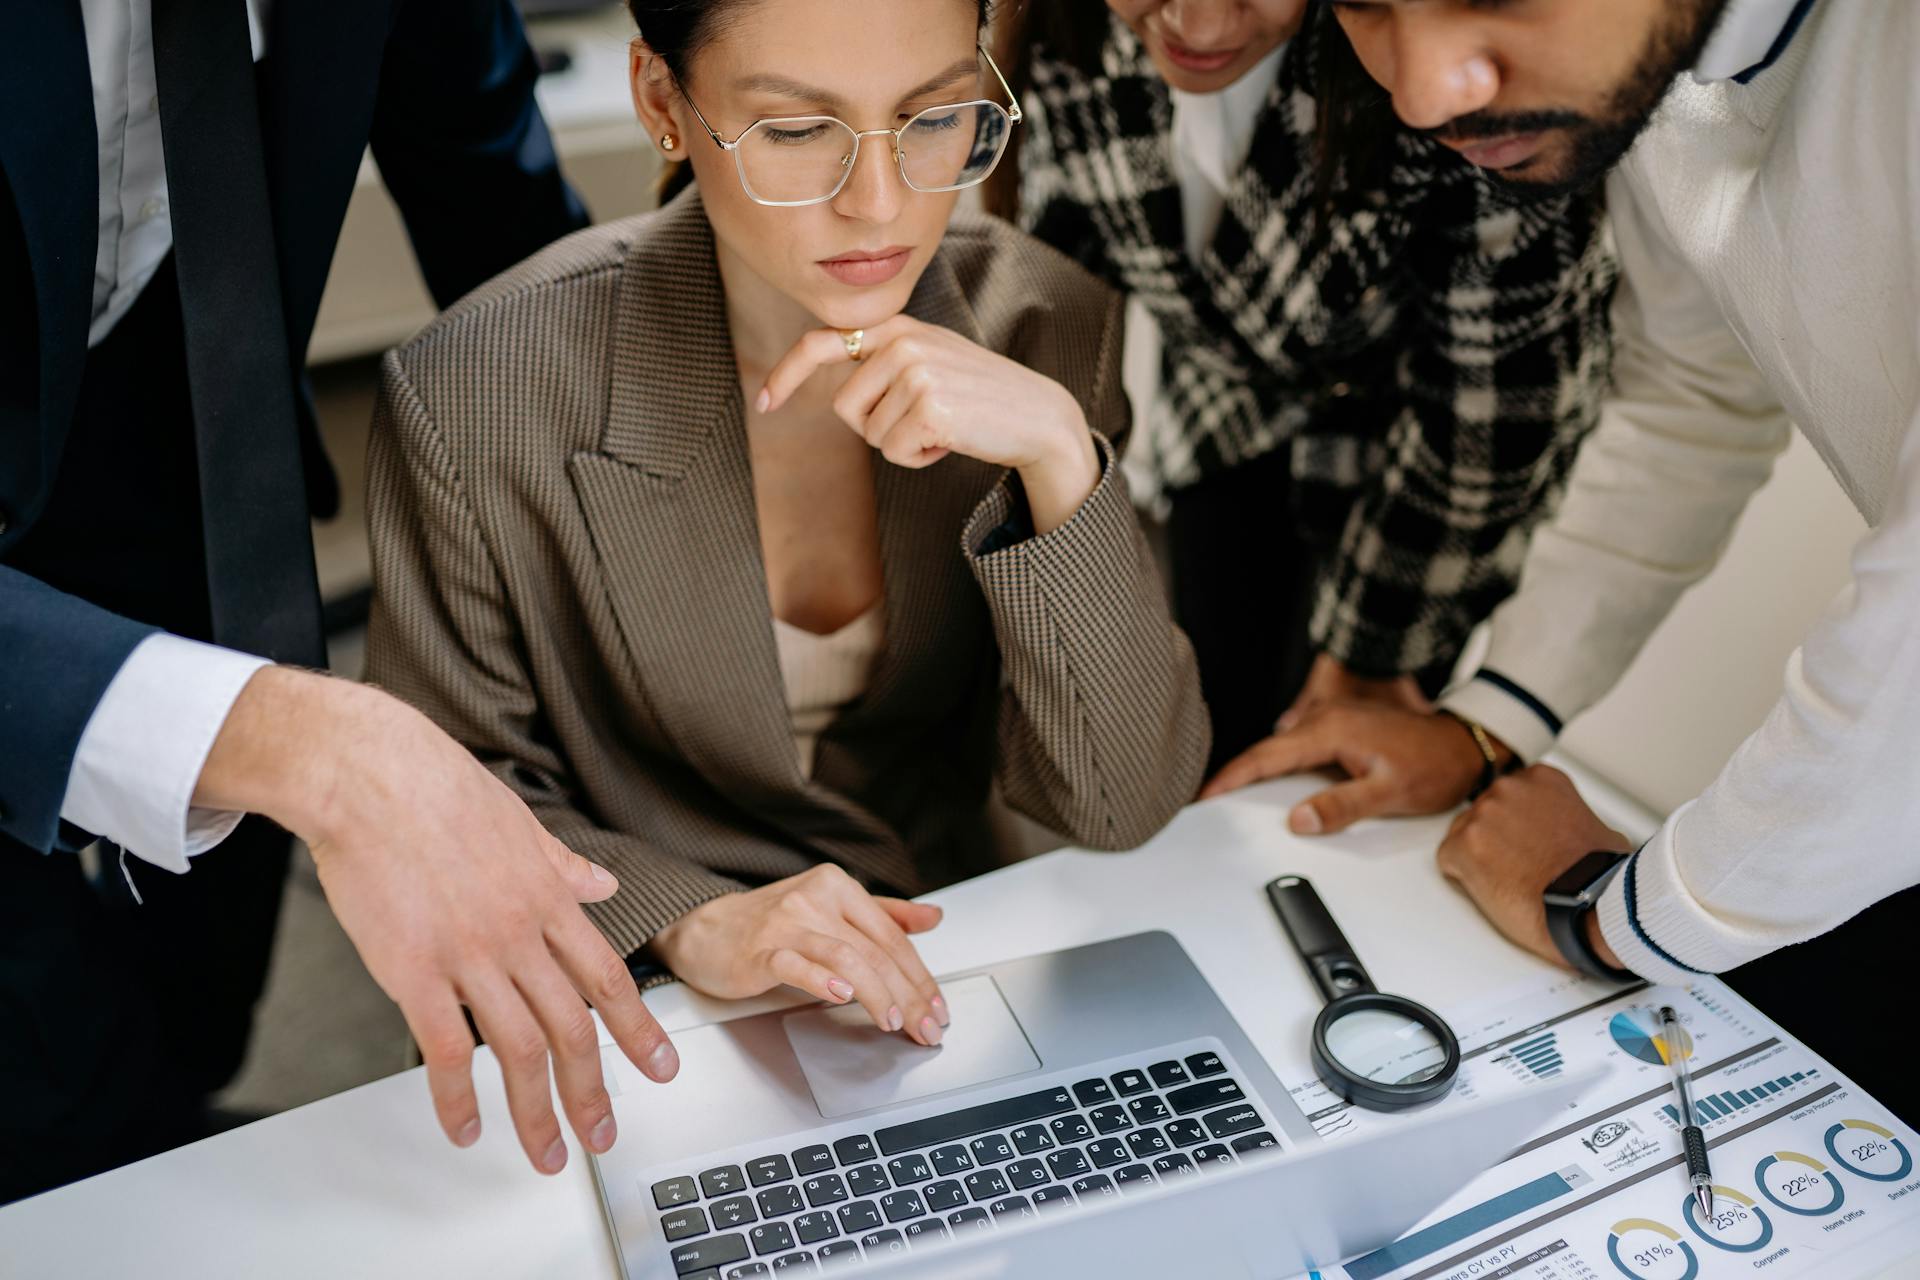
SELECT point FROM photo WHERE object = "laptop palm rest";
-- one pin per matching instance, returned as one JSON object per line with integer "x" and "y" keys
{"x": 852, "y": 1066}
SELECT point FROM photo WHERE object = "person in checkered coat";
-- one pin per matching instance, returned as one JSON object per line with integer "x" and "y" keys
{"x": 1371, "y": 383}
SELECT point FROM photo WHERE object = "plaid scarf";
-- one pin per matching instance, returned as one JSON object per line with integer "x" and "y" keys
{"x": 1431, "y": 357}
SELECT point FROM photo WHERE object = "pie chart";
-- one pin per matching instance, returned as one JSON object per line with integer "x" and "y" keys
{"x": 1637, "y": 1032}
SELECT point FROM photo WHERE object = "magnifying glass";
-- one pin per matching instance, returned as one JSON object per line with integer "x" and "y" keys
{"x": 1380, "y": 1051}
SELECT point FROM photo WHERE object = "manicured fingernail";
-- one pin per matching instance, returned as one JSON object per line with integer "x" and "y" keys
{"x": 841, "y": 991}
{"x": 765, "y": 399}
{"x": 1287, "y": 722}
{"x": 603, "y": 1133}
{"x": 940, "y": 1010}
{"x": 664, "y": 1062}
{"x": 556, "y": 1158}
{"x": 894, "y": 1019}
{"x": 1306, "y": 820}
{"x": 469, "y": 1133}
{"x": 602, "y": 876}
{"x": 930, "y": 1031}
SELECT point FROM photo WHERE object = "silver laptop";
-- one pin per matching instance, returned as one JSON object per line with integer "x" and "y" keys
{"x": 1092, "y": 1111}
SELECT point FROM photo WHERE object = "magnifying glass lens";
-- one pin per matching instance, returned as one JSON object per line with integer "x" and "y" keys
{"x": 1385, "y": 1047}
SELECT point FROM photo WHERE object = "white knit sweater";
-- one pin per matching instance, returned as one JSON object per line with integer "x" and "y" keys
{"x": 1770, "y": 239}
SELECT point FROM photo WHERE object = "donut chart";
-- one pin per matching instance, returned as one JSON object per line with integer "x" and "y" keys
{"x": 1862, "y": 1147}
{"x": 1797, "y": 1182}
{"x": 1643, "y": 1249}
{"x": 1739, "y": 1225}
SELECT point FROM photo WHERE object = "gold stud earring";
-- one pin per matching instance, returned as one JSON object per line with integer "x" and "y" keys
{"x": 668, "y": 142}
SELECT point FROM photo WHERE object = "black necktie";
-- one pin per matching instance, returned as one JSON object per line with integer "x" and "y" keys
{"x": 260, "y": 575}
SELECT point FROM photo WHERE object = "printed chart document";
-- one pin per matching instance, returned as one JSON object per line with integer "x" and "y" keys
{"x": 1813, "y": 1176}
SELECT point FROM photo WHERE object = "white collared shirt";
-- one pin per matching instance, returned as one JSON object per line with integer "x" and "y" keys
{"x": 1211, "y": 134}
{"x": 141, "y": 753}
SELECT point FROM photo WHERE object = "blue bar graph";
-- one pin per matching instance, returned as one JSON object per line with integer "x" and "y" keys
{"x": 1772, "y": 1086}
{"x": 1673, "y": 1113}
{"x": 1732, "y": 1103}
{"x": 1540, "y": 1055}
{"x": 1457, "y": 1228}
{"x": 1706, "y": 1108}
{"x": 1746, "y": 1097}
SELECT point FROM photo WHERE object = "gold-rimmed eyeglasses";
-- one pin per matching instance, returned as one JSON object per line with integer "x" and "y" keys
{"x": 789, "y": 161}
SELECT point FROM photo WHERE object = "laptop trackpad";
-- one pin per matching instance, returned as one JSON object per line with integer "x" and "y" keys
{"x": 851, "y": 1065}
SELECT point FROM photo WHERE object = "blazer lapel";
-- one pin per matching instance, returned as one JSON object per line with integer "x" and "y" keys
{"x": 49, "y": 149}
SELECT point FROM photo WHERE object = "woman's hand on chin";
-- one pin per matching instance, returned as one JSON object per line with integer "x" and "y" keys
{"x": 818, "y": 931}
{"x": 922, "y": 392}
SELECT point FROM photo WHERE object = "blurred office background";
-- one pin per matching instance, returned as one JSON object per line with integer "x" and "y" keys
{"x": 1701, "y": 686}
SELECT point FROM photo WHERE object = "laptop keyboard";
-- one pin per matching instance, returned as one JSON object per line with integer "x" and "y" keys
{"x": 877, "y": 1193}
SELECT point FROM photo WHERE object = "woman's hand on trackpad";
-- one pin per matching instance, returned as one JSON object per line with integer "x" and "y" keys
{"x": 819, "y": 931}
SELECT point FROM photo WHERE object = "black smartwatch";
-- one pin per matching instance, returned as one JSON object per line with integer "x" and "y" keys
{"x": 1570, "y": 899}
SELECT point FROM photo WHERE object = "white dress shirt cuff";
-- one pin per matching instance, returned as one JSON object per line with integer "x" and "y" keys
{"x": 1652, "y": 923}
{"x": 141, "y": 753}
{"x": 1504, "y": 716}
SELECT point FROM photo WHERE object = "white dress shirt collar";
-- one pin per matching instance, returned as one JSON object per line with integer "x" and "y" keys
{"x": 1746, "y": 36}
{"x": 1211, "y": 134}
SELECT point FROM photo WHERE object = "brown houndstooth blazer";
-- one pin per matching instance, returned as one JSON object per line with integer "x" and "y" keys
{"x": 569, "y": 580}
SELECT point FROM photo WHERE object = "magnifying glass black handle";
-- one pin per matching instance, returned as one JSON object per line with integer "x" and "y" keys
{"x": 1329, "y": 956}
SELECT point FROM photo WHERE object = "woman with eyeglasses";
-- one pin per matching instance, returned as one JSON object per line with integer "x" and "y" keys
{"x": 1374, "y": 370}
{"x": 753, "y": 540}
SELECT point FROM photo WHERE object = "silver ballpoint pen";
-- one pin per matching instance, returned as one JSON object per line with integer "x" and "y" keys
{"x": 1678, "y": 1051}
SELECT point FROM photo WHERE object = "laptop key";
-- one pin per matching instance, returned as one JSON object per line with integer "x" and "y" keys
{"x": 1247, "y": 1144}
{"x": 1011, "y": 1208}
{"x": 854, "y": 1149}
{"x": 1148, "y": 1110}
{"x": 1228, "y": 1121}
{"x": 991, "y": 1149}
{"x": 1110, "y": 1119}
{"x": 1128, "y": 1083}
{"x": 1052, "y": 1198}
{"x": 950, "y": 1160}
{"x": 778, "y": 1202}
{"x": 942, "y": 1196}
{"x": 858, "y": 1216}
{"x": 1071, "y": 1129}
{"x": 1094, "y": 1184}
{"x": 771, "y": 1237}
{"x": 1208, "y": 1093}
{"x": 902, "y": 1205}
{"x": 737, "y": 1212}
{"x": 973, "y": 1217}
{"x": 1133, "y": 1178}
{"x": 674, "y": 1191}
{"x": 768, "y": 1169}
{"x": 1029, "y": 1138}
{"x": 907, "y": 1170}
{"x": 800, "y": 1264}
{"x": 1186, "y": 1133}
{"x": 723, "y": 1181}
{"x": 1213, "y": 1156}
{"x": 1093, "y": 1092}
{"x": 926, "y": 1231}
{"x": 717, "y": 1251}
{"x": 839, "y": 1253}
{"x": 1108, "y": 1152}
{"x": 867, "y": 1180}
{"x": 879, "y": 1244}
{"x": 1006, "y": 1113}
{"x": 1168, "y": 1074}
{"x": 750, "y": 1271}
{"x": 1026, "y": 1173}
{"x": 985, "y": 1183}
{"x": 825, "y": 1189}
{"x": 812, "y": 1228}
{"x": 817, "y": 1159}
{"x": 1175, "y": 1165}
{"x": 1068, "y": 1164}
{"x": 1203, "y": 1065}
{"x": 682, "y": 1223}
{"x": 711, "y": 1273}
{"x": 1147, "y": 1142}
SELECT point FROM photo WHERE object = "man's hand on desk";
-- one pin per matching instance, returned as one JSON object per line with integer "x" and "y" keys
{"x": 453, "y": 894}
{"x": 1516, "y": 840}
{"x": 1399, "y": 761}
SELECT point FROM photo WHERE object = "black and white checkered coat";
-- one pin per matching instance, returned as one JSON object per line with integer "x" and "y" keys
{"x": 1431, "y": 364}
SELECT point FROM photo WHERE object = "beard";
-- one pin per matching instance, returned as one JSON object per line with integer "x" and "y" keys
{"x": 1597, "y": 142}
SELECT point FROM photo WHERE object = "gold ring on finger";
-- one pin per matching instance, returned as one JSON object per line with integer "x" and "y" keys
{"x": 855, "y": 339}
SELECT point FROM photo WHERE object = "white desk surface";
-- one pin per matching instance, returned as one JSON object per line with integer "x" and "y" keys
{"x": 363, "y": 1184}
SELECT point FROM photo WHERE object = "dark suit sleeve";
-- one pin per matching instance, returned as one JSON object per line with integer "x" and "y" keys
{"x": 462, "y": 146}
{"x": 58, "y": 654}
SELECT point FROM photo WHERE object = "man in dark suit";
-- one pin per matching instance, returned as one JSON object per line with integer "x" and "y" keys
{"x": 155, "y": 486}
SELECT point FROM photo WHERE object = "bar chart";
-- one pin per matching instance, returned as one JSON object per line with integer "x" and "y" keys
{"x": 1729, "y": 1102}
{"x": 1539, "y": 1056}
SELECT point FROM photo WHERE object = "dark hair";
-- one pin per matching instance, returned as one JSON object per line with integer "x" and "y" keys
{"x": 677, "y": 30}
